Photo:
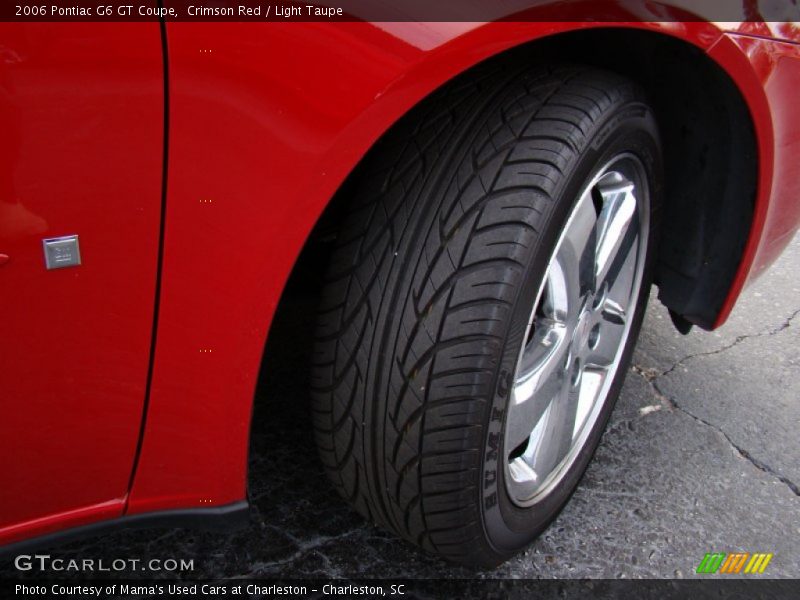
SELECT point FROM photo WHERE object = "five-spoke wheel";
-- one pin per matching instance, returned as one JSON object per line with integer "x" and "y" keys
{"x": 577, "y": 329}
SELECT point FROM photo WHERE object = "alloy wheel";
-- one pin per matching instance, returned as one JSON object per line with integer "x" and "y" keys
{"x": 577, "y": 330}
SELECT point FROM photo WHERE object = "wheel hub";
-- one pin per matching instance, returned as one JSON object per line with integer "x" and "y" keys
{"x": 585, "y": 323}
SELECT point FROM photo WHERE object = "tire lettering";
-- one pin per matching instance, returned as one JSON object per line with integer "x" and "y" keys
{"x": 504, "y": 383}
{"x": 494, "y": 445}
{"x": 489, "y": 478}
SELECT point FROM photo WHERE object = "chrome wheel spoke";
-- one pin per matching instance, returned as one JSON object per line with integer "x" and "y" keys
{"x": 614, "y": 223}
{"x": 537, "y": 383}
{"x": 621, "y": 272}
{"x": 592, "y": 379}
{"x": 577, "y": 252}
{"x": 551, "y": 446}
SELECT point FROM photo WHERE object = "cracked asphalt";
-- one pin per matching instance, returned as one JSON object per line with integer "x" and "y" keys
{"x": 701, "y": 455}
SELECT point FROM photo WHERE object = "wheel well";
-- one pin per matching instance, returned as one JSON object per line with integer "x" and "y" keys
{"x": 710, "y": 158}
{"x": 711, "y": 162}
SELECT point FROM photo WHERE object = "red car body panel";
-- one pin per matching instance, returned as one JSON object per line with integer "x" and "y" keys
{"x": 81, "y": 116}
{"x": 265, "y": 123}
{"x": 769, "y": 77}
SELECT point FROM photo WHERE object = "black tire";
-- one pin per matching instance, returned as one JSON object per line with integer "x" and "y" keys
{"x": 451, "y": 224}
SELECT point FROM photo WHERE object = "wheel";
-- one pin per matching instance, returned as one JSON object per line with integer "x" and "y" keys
{"x": 482, "y": 303}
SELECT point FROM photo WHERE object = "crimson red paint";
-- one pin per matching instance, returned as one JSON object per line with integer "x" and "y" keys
{"x": 81, "y": 111}
{"x": 266, "y": 120}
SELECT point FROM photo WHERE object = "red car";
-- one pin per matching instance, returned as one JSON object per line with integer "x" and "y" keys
{"x": 496, "y": 200}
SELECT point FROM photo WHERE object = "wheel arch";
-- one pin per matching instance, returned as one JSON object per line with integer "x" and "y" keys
{"x": 715, "y": 130}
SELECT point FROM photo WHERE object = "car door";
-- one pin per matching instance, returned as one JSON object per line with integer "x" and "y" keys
{"x": 81, "y": 154}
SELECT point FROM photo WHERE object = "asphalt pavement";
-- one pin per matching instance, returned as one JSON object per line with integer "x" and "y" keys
{"x": 702, "y": 455}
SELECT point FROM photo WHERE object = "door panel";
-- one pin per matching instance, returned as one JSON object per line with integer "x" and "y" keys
{"x": 81, "y": 152}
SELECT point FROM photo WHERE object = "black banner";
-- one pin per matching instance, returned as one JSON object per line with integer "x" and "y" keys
{"x": 402, "y": 10}
{"x": 750, "y": 589}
